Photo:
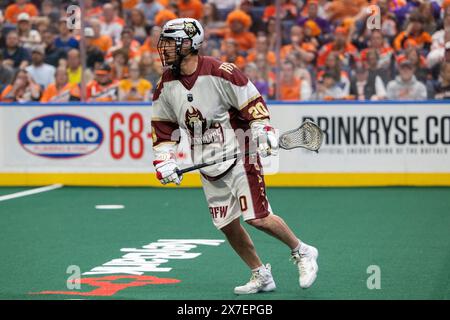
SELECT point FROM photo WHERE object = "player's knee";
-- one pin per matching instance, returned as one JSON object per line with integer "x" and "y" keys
{"x": 258, "y": 223}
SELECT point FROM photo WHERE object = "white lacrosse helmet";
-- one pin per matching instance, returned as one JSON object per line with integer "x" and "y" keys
{"x": 180, "y": 30}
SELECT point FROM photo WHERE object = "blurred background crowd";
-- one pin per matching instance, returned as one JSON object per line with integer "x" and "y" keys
{"x": 292, "y": 50}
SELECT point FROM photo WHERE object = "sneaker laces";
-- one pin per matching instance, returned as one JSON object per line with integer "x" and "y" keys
{"x": 298, "y": 258}
{"x": 256, "y": 278}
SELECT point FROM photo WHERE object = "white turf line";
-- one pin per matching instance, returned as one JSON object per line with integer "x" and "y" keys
{"x": 109, "y": 206}
{"x": 30, "y": 192}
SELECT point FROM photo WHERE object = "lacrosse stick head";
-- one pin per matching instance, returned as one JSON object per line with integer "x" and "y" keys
{"x": 308, "y": 136}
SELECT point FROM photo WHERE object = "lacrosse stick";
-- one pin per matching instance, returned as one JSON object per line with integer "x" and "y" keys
{"x": 308, "y": 136}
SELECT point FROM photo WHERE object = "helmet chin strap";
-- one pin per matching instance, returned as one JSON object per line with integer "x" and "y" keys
{"x": 176, "y": 66}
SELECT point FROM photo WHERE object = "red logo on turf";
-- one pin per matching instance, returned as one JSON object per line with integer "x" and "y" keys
{"x": 106, "y": 287}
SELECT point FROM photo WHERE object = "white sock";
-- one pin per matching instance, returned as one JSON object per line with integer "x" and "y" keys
{"x": 260, "y": 268}
{"x": 303, "y": 247}
{"x": 297, "y": 248}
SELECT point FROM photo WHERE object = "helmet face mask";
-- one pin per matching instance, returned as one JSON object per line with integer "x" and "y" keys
{"x": 178, "y": 39}
{"x": 173, "y": 50}
{"x": 167, "y": 49}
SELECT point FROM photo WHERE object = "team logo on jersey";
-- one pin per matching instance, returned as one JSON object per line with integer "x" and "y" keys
{"x": 191, "y": 29}
{"x": 198, "y": 128}
{"x": 195, "y": 122}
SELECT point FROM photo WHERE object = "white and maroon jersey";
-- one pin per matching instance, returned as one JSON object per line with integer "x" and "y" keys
{"x": 211, "y": 104}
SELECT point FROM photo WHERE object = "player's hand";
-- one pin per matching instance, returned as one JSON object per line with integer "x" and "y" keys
{"x": 166, "y": 171}
{"x": 264, "y": 135}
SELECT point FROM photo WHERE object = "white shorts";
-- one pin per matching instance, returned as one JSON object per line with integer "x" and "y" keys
{"x": 241, "y": 190}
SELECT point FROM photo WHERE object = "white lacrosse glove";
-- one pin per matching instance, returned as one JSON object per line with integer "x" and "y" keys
{"x": 166, "y": 170}
{"x": 264, "y": 135}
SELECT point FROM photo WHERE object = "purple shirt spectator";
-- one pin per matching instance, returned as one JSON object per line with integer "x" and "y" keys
{"x": 403, "y": 12}
{"x": 263, "y": 87}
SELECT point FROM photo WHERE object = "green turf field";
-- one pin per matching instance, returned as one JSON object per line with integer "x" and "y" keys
{"x": 404, "y": 231}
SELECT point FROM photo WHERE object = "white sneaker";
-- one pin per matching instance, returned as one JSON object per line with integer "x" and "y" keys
{"x": 260, "y": 281}
{"x": 305, "y": 259}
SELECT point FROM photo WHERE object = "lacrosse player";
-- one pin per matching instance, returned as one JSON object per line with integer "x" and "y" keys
{"x": 209, "y": 99}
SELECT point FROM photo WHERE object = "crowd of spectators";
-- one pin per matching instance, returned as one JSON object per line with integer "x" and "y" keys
{"x": 324, "y": 50}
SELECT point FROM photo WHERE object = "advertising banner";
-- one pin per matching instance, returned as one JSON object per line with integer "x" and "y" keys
{"x": 76, "y": 139}
{"x": 364, "y": 144}
{"x": 370, "y": 137}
